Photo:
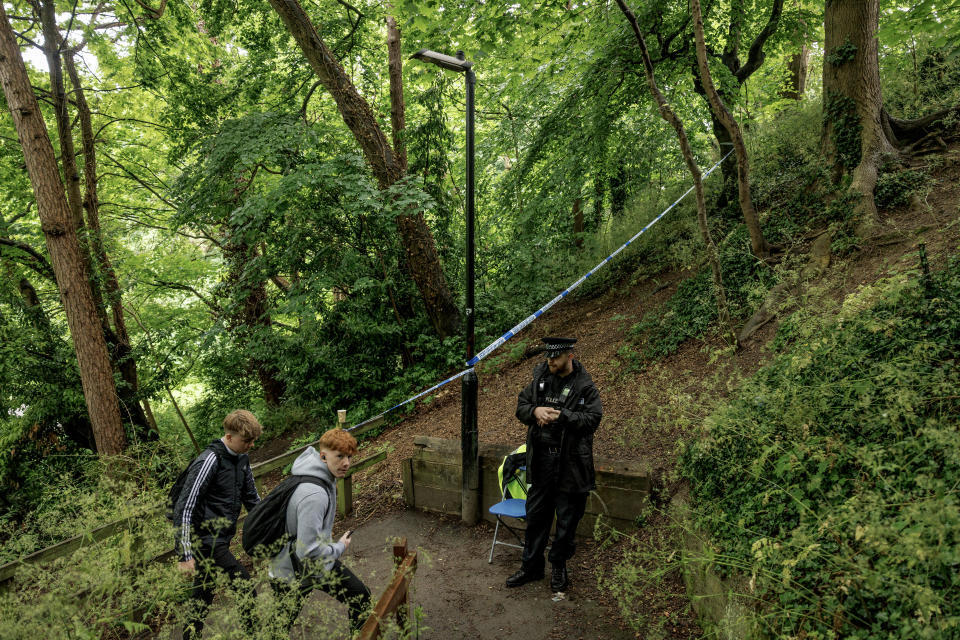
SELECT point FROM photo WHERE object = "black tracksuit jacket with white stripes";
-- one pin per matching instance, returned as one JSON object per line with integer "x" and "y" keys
{"x": 218, "y": 483}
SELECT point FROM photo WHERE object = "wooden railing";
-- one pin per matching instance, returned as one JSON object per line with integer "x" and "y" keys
{"x": 89, "y": 538}
{"x": 395, "y": 601}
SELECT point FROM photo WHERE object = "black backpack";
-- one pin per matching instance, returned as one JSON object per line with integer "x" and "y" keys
{"x": 174, "y": 494}
{"x": 267, "y": 522}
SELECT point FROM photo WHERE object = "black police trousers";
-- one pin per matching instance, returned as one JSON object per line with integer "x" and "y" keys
{"x": 543, "y": 501}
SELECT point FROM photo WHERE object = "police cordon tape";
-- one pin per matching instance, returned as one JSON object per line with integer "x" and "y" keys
{"x": 496, "y": 344}
{"x": 409, "y": 400}
{"x": 563, "y": 294}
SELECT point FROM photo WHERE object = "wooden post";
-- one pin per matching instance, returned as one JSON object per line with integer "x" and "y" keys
{"x": 396, "y": 598}
{"x": 407, "y": 472}
{"x": 345, "y": 496}
{"x": 403, "y": 608}
{"x": 344, "y": 485}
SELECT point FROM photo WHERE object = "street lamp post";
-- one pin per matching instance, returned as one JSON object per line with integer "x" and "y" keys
{"x": 470, "y": 483}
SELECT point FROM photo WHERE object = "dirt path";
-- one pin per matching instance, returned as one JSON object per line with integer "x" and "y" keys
{"x": 459, "y": 594}
{"x": 463, "y": 596}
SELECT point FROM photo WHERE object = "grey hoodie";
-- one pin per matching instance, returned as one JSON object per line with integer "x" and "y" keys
{"x": 310, "y": 514}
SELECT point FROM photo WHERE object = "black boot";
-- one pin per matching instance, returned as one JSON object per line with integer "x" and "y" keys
{"x": 559, "y": 580}
{"x": 523, "y": 576}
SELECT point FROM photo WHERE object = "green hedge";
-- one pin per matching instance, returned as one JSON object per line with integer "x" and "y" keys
{"x": 831, "y": 479}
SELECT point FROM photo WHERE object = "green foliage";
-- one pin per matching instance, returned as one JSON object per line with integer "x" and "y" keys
{"x": 787, "y": 172}
{"x": 895, "y": 188}
{"x": 225, "y": 170}
{"x": 321, "y": 221}
{"x": 72, "y": 492}
{"x": 44, "y": 425}
{"x": 920, "y": 78}
{"x": 692, "y": 310}
{"x": 843, "y": 54}
{"x": 106, "y": 588}
{"x": 830, "y": 477}
{"x": 841, "y": 113}
{"x": 920, "y": 66}
{"x": 645, "y": 573}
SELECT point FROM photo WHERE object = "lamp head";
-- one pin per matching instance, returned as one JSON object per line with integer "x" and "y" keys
{"x": 444, "y": 61}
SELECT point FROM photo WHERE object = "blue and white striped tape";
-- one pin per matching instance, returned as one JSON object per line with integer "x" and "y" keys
{"x": 520, "y": 327}
{"x": 409, "y": 400}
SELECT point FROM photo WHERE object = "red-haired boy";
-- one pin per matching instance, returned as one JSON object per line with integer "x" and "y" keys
{"x": 311, "y": 560}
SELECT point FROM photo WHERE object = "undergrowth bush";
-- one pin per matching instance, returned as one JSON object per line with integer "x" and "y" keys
{"x": 94, "y": 592}
{"x": 70, "y": 503}
{"x": 831, "y": 478}
{"x": 894, "y": 188}
{"x": 788, "y": 173}
{"x": 692, "y": 310}
{"x": 120, "y": 588}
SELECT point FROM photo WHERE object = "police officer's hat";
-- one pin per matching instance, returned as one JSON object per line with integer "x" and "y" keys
{"x": 553, "y": 347}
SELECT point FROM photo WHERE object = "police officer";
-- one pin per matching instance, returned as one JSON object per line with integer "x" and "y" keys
{"x": 561, "y": 408}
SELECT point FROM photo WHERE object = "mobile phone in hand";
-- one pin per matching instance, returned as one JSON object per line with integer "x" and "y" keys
{"x": 350, "y": 532}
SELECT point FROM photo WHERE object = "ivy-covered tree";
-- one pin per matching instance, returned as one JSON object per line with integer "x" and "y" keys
{"x": 858, "y": 133}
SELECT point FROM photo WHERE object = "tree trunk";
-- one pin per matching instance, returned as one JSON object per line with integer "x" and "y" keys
{"x": 56, "y": 222}
{"x": 34, "y": 310}
{"x": 618, "y": 192}
{"x": 728, "y": 167}
{"x": 118, "y": 342}
{"x": 397, "y": 123}
{"x": 740, "y": 71}
{"x": 122, "y": 350}
{"x": 759, "y": 245}
{"x": 854, "y": 139}
{"x": 797, "y": 70}
{"x": 387, "y": 167}
{"x": 397, "y": 108}
{"x": 149, "y": 413}
{"x": 68, "y": 157}
{"x": 667, "y": 113}
{"x": 252, "y": 315}
{"x": 598, "y": 196}
{"x": 578, "y": 222}
{"x": 68, "y": 153}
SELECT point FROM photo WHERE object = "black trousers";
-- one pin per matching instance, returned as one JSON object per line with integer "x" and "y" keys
{"x": 212, "y": 557}
{"x": 339, "y": 582}
{"x": 543, "y": 501}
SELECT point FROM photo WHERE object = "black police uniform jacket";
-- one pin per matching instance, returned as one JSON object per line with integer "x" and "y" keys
{"x": 561, "y": 452}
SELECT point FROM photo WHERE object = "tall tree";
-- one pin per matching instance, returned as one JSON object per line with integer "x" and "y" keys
{"x": 65, "y": 253}
{"x": 740, "y": 71}
{"x": 852, "y": 102}
{"x": 118, "y": 338}
{"x": 669, "y": 115}
{"x": 60, "y": 55}
{"x": 387, "y": 164}
{"x": 797, "y": 74}
{"x": 721, "y": 113}
{"x": 857, "y": 131}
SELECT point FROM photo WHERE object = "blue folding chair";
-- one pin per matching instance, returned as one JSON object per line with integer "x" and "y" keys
{"x": 510, "y": 507}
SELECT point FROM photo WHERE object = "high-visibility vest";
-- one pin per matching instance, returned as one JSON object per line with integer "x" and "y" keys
{"x": 517, "y": 488}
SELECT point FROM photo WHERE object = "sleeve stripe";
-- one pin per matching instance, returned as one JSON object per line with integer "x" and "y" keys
{"x": 253, "y": 482}
{"x": 191, "y": 503}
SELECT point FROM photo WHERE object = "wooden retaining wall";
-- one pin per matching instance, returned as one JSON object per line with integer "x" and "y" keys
{"x": 431, "y": 482}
